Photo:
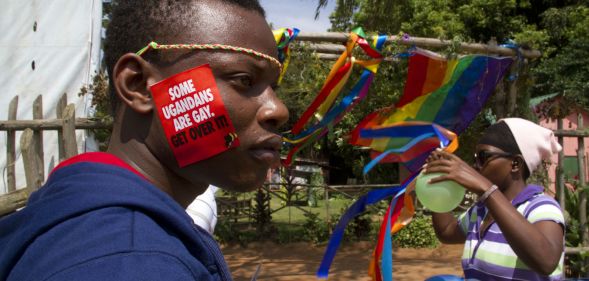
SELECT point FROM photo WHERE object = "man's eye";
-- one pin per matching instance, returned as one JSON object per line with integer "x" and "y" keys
{"x": 243, "y": 81}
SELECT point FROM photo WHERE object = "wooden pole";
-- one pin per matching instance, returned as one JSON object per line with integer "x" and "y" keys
{"x": 512, "y": 93}
{"x": 333, "y": 37}
{"x": 61, "y": 104}
{"x": 69, "y": 131}
{"x": 576, "y": 250}
{"x": 582, "y": 183}
{"x": 336, "y": 49}
{"x": 560, "y": 168}
{"x": 10, "y": 202}
{"x": 572, "y": 133}
{"x": 52, "y": 124}
{"x": 500, "y": 98}
{"x": 339, "y": 37}
{"x": 327, "y": 216}
{"x": 30, "y": 159}
{"x": 38, "y": 135}
{"x": 323, "y": 56}
{"x": 11, "y": 147}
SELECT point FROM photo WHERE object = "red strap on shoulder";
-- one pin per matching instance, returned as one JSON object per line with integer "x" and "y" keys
{"x": 98, "y": 157}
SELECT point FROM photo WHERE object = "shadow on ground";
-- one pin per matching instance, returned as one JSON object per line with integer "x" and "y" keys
{"x": 299, "y": 261}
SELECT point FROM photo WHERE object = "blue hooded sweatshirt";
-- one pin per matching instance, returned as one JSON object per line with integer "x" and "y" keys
{"x": 98, "y": 219}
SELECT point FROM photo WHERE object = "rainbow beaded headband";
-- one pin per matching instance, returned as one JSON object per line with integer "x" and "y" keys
{"x": 156, "y": 46}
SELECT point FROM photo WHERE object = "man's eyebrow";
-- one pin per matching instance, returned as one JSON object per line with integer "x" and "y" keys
{"x": 259, "y": 65}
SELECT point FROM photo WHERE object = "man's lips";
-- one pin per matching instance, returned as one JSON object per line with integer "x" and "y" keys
{"x": 270, "y": 157}
{"x": 268, "y": 150}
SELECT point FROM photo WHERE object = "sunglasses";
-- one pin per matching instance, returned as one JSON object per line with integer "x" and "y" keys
{"x": 483, "y": 156}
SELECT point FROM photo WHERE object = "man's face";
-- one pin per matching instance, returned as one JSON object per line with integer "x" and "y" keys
{"x": 246, "y": 86}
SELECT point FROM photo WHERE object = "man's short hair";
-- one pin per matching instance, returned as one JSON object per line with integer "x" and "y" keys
{"x": 135, "y": 23}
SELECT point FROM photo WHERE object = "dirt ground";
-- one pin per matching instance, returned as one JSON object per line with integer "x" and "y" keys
{"x": 299, "y": 261}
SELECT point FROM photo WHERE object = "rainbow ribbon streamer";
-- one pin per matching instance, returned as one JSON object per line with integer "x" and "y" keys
{"x": 283, "y": 37}
{"x": 322, "y": 108}
{"x": 358, "y": 207}
{"x": 401, "y": 212}
{"x": 401, "y": 209}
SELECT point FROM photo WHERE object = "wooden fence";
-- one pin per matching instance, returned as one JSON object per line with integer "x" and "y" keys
{"x": 580, "y": 134}
{"x": 31, "y": 146}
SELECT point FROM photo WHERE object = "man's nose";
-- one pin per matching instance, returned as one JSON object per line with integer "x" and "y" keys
{"x": 273, "y": 113}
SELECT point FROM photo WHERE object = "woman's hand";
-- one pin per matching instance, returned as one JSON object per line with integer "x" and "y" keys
{"x": 457, "y": 170}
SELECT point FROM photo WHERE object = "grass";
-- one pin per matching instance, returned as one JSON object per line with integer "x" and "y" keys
{"x": 294, "y": 215}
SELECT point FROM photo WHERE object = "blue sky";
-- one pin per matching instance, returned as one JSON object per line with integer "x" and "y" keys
{"x": 297, "y": 13}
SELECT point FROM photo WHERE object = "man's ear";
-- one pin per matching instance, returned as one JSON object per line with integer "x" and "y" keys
{"x": 132, "y": 78}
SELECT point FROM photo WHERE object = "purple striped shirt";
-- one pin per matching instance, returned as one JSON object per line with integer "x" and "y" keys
{"x": 488, "y": 256}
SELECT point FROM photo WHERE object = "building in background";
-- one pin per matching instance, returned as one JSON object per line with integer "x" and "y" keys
{"x": 570, "y": 146}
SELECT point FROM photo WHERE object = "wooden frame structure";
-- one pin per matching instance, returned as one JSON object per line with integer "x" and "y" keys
{"x": 337, "y": 39}
{"x": 582, "y": 162}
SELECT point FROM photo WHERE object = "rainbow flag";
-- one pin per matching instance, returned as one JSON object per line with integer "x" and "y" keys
{"x": 440, "y": 99}
{"x": 449, "y": 93}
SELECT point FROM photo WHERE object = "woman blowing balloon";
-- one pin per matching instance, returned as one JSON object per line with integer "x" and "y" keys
{"x": 514, "y": 231}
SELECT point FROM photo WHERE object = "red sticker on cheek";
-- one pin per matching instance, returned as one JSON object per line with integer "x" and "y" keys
{"x": 193, "y": 115}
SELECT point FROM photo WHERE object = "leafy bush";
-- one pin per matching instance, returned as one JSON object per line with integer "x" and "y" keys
{"x": 288, "y": 234}
{"x": 360, "y": 228}
{"x": 262, "y": 214}
{"x": 314, "y": 191}
{"x": 575, "y": 264}
{"x": 315, "y": 229}
{"x": 417, "y": 234}
{"x": 102, "y": 106}
{"x": 227, "y": 232}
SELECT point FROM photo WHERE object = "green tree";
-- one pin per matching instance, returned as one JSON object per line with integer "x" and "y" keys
{"x": 565, "y": 68}
{"x": 557, "y": 28}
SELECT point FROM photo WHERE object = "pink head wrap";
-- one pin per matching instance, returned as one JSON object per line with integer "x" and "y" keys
{"x": 535, "y": 142}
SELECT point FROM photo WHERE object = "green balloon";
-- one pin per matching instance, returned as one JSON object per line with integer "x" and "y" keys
{"x": 440, "y": 197}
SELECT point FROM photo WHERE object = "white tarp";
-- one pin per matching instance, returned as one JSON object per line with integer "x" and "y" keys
{"x": 62, "y": 39}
